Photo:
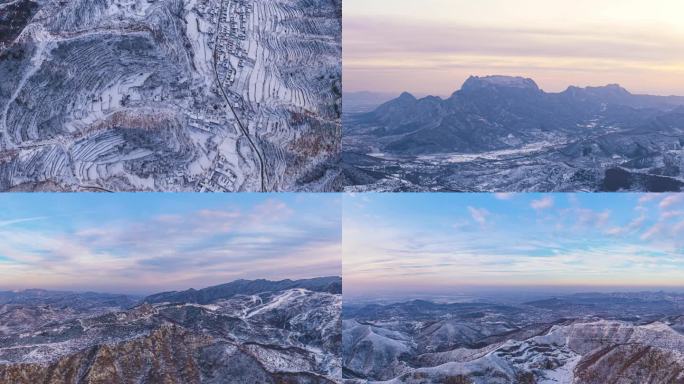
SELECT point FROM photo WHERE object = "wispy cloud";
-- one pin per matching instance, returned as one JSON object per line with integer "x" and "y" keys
{"x": 434, "y": 47}
{"x": 480, "y": 215}
{"x": 592, "y": 239}
{"x": 5, "y": 223}
{"x": 210, "y": 243}
{"x": 543, "y": 203}
{"x": 504, "y": 196}
{"x": 671, "y": 201}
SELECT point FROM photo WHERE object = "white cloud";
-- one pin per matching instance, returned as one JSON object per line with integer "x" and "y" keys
{"x": 648, "y": 197}
{"x": 671, "y": 214}
{"x": 652, "y": 231}
{"x": 504, "y": 196}
{"x": 671, "y": 200}
{"x": 4, "y": 223}
{"x": 479, "y": 215}
{"x": 634, "y": 225}
{"x": 543, "y": 203}
{"x": 678, "y": 228}
{"x": 615, "y": 231}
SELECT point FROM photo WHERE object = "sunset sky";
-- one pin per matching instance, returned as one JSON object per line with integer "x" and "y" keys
{"x": 145, "y": 243}
{"x": 444, "y": 242}
{"x": 432, "y": 46}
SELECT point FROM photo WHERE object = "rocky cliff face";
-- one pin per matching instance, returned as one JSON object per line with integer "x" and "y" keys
{"x": 625, "y": 364}
{"x": 169, "y": 354}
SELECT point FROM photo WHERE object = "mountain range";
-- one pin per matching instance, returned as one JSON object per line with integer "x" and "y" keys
{"x": 242, "y": 332}
{"x": 500, "y": 133}
{"x": 331, "y": 285}
{"x": 591, "y": 338}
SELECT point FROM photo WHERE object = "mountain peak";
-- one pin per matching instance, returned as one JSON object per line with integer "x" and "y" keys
{"x": 614, "y": 89}
{"x": 606, "y": 90}
{"x": 497, "y": 81}
{"x": 407, "y": 96}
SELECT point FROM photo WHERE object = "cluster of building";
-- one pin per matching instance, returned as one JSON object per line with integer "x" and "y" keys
{"x": 231, "y": 27}
{"x": 227, "y": 41}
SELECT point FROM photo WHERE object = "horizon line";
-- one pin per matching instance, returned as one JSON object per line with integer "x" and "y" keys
{"x": 102, "y": 292}
{"x": 445, "y": 289}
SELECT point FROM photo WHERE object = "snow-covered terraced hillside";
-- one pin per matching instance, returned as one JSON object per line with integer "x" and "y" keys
{"x": 168, "y": 95}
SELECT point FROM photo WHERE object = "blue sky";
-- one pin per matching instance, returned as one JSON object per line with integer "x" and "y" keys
{"x": 141, "y": 243}
{"x": 437, "y": 242}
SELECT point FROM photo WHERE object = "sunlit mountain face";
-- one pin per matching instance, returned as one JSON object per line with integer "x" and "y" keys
{"x": 244, "y": 331}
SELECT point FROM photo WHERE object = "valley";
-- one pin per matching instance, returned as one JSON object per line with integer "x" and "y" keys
{"x": 504, "y": 134}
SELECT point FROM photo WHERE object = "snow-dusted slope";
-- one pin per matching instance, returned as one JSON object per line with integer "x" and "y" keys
{"x": 532, "y": 343}
{"x": 290, "y": 336}
{"x": 504, "y": 134}
{"x": 170, "y": 95}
